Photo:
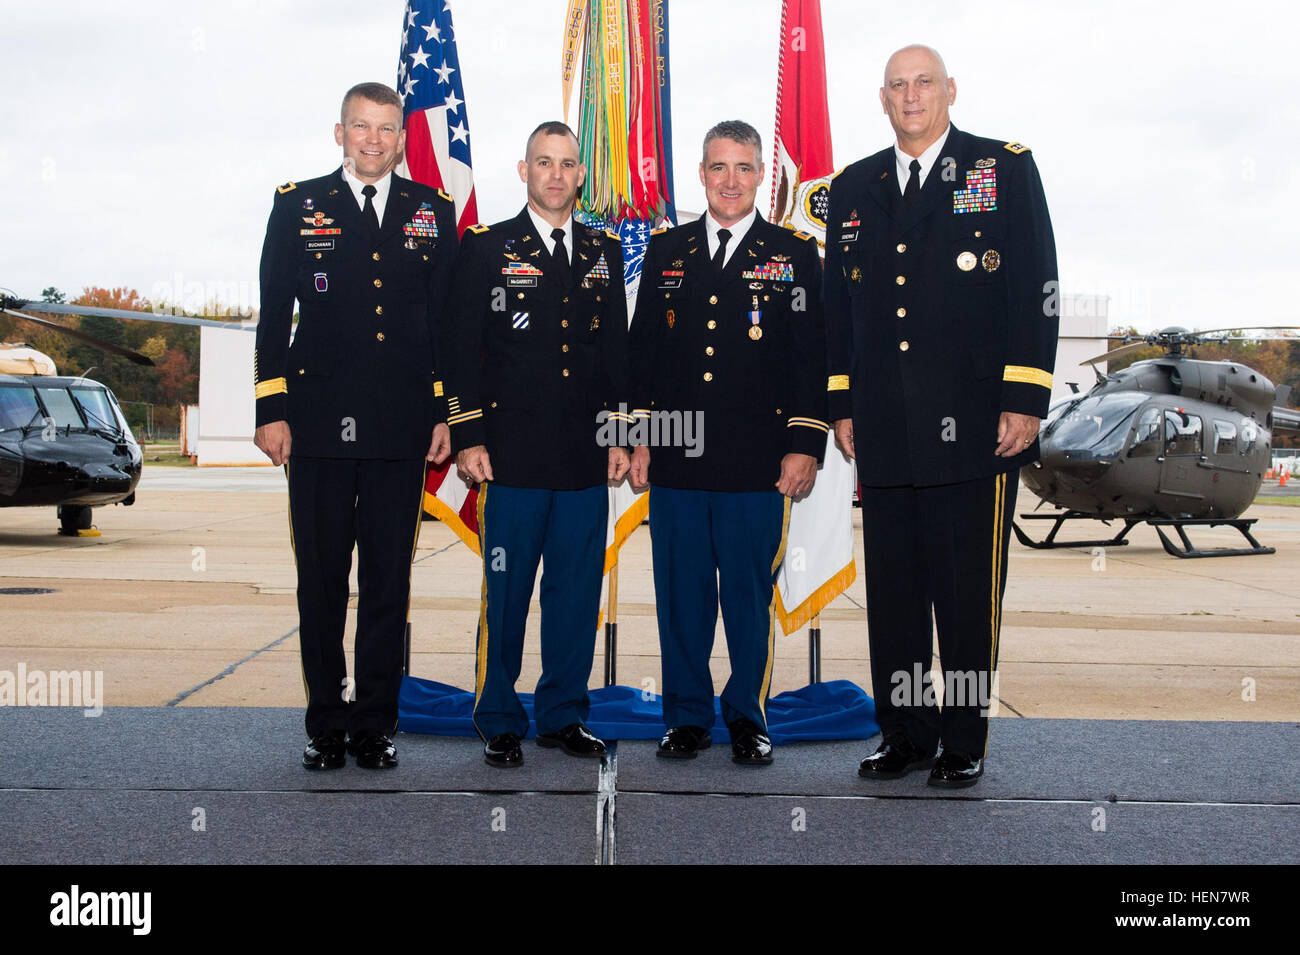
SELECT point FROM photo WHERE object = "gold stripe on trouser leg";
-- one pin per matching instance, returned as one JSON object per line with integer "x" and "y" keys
{"x": 293, "y": 546}
{"x": 771, "y": 614}
{"x": 995, "y": 603}
{"x": 480, "y": 658}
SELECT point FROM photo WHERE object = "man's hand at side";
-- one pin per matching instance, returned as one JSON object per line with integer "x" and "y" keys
{"x": 473, "y": 465}
{"x": 618, "y": 464}
{"x": 273, "y": 440}
{"x": 798, "y": 472}
{"x": 1015, "y": 433}
{"x": 440, "y": 445}
{"x": 639, "y": 473}
{"x": 844, "y": 435}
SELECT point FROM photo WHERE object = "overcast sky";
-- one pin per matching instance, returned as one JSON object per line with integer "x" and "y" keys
{"x": 143, "y": 140}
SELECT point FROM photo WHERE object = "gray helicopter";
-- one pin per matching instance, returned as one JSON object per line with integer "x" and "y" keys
{"x": 1173, "y": 442}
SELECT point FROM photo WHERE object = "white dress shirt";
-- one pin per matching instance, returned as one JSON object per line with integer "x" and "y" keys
{"x": 737, "y": 231}
{"x": 926, "y": 158}
{"x": 381, "y": 191}
{"x": 544, "y": 230}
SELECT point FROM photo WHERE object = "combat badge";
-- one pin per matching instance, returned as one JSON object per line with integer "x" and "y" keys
{"x": 985, "y": 163}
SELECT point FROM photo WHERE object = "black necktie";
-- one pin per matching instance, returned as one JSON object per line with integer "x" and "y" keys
{"x": 720, "y": 256}
{"x": 561, "y": 258}
{"x": 913, "y": 188}
{"x": 368, "y": 211}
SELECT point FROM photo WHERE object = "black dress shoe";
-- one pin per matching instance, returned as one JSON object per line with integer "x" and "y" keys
{"x": 575, "y": 739}
{"x": 896, "y": 757}
{"x": 683, "y": 742}
{"x": 750, "y": 746}
{"x": 503, "y": 751}
{"x": 956, "y": 770}
{"x": 373, "y": 750}
{"x": 324, "y": 751}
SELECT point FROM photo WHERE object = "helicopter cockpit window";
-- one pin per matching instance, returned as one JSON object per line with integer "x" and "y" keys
{"x": 1225, "y": 437}
{"x": 1249, "y": 432}
{"x": 1182, "y": 433}
{"x": 1147, "y": 436}
{"x": 99, "y": 413}
{"x": 18, "y": 408}
{"x": 1096, "y": 426}
{"x": 58, "y": 403}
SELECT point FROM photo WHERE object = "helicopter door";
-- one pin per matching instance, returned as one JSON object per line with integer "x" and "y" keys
{"x": 1182, "y": 453}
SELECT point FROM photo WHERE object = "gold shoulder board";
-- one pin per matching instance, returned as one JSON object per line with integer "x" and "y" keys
{"x": 446, "y": 195}
{"x": 289, "y": 186}
{"x": 476, "y": 229}
{"x": 1016, "y": 148}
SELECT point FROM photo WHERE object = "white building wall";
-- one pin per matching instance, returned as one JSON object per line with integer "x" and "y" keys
{"x": 228, "y": 416}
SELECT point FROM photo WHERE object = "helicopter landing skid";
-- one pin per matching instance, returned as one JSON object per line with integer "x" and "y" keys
{"x": 1187, "y": 550}
{"x": 1050, "y": 540}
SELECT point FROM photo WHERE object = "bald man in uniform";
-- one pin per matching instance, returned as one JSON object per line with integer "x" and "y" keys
{"x": 942, "y": 325}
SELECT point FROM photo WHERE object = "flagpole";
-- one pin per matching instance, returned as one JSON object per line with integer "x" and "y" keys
{"x": 815, "y": 649}
{"x": 611, "y": 629}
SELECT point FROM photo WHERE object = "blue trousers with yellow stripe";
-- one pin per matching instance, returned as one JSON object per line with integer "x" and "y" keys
{"x": 937, "y": 551}
{"x": 565, "y": 530}
{"x": 711, "y": 547}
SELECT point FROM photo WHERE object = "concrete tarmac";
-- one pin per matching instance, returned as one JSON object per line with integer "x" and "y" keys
{"x": 187, "y": 598}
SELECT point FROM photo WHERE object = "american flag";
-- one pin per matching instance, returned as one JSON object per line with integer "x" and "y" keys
{"x": 433, "y": 106}
{"x": 437, "y": 154}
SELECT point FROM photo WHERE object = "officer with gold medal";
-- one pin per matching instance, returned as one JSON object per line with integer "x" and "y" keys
{"x": 729, "y": 334}
{"x": 353, "y": 408}
{"x": 942, "y": 326}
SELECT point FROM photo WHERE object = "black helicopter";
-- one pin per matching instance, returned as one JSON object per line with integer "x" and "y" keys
{"x": 64, "y": 442}
{"x": 1173, "y": 442}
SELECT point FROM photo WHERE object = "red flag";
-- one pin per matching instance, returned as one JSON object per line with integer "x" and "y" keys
{"x": 802, "y": 163}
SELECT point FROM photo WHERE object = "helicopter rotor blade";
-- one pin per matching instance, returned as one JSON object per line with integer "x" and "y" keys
{"x": 1117, "y": 352}
{"x": 135, "y": 357}
{"x": 51, "y": 308}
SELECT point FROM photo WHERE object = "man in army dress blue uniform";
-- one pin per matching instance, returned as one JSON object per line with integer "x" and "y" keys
{"x": 942, "y": 325}
{"x": 353, "y": 408}
{"x": 729, "y": 328}
{"x": 538, "y": 355}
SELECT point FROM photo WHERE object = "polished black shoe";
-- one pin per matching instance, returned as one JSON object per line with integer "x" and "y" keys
{"x": 324, "y": 751}
{"x": 503, "y": 751}
{"x": 683, "y": 742}
{"x": 373, "y": 750}
{"x": 896, "y": 757}
{"x": 575, "y": 739}
{"x": 750, "y": 746}
{"x": 956, "y": 770}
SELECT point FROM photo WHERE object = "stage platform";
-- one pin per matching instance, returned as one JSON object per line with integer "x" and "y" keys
{"x": 223, "y": 785}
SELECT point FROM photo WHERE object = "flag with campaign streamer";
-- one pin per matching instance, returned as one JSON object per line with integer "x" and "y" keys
{"x": 438, "y": 154}
{"x": 801, "y": 164}
{"x": 818, "y": 563}
{"x": 618, "y": 49}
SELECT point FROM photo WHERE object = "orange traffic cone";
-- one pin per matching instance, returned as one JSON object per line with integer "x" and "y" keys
{"x": 1283, "y": 479}
{"x": 1268, "y": 475}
